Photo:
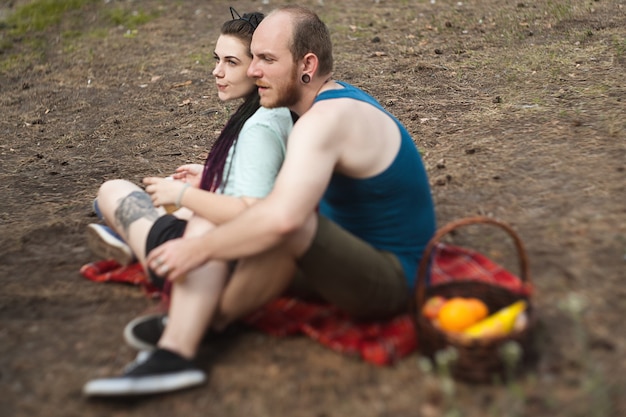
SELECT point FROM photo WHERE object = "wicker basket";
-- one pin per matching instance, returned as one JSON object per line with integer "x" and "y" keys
{"x": 478, "y": 360}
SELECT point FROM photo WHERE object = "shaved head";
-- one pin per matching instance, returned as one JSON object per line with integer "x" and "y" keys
{"x": 308, "y": 34}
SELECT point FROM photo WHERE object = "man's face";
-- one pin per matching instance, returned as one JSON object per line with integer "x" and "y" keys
{"x": 272, "y": 66}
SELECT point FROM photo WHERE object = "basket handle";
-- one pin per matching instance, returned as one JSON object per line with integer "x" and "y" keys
{"x": 421, "y": 275}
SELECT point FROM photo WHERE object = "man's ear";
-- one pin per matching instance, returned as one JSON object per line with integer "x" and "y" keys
{"x": 310, "y": 63}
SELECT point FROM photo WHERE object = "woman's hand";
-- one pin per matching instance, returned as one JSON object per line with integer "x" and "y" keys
{"x": 175, "y": 258}
{"x": 163, "y": 191}
{"x": 189, "y": 173}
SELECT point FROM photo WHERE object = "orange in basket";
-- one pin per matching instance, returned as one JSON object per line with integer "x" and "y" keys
{"x": 459, "y": 313}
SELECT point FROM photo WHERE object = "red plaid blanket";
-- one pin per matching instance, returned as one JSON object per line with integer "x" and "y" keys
{"x": 379, "y": 342}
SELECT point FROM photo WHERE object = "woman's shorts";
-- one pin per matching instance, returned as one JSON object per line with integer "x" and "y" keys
{"x": 165, "y": 228}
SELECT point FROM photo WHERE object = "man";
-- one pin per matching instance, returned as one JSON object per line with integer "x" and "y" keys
{"x": 350, "y": 212}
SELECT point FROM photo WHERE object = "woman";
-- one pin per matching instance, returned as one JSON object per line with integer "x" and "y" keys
{"x": 239, "y": 170}
{"x": 242, "y": 163}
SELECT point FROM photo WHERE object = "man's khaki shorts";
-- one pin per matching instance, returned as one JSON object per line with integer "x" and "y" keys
{"x": 351, "y": 274}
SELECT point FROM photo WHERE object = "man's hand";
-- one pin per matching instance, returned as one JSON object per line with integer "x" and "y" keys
{"x": 175, "y": 258}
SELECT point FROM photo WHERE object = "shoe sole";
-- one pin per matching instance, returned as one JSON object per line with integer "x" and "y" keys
{"x": 102, "y": 244}
{"x": 146, "y": 385}
{"x": 133, "y": 341}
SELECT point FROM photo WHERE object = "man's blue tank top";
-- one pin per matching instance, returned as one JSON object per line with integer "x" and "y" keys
{"x": 393, "y": 211}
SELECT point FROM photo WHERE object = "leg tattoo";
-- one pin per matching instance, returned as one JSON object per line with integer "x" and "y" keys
{"x": 135, "y": 206}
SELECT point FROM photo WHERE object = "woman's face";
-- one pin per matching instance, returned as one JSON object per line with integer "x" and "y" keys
{"x": 231, "y": 64}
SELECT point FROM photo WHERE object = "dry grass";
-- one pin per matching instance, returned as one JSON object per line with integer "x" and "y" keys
{"x": 518, "y": 108}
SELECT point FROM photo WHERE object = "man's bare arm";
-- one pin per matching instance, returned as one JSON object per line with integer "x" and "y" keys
{"x": 311, "y": 158}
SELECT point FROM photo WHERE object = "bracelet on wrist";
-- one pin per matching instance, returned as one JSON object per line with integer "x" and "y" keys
{"x": 179, "y": 199}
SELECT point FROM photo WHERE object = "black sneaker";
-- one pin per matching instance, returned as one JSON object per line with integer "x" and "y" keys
{"x": 154, "y": 372}
{"x": 144, "y": 332}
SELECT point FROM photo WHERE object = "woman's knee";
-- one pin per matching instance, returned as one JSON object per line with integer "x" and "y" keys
{"x": 114, "y": 188}
{"x": 111, "y": 193}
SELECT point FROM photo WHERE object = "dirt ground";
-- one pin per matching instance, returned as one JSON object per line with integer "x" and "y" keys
{"x": 519, "y": 110}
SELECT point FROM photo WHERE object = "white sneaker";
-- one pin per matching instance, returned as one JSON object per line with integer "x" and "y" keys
{"x": 105, "y": 243}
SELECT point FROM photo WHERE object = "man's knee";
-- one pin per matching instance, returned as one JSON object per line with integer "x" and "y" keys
{"x": 300, "y": 241}
{"x": 197, "y": 226}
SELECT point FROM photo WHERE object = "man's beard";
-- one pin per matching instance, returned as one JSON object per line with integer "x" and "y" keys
{"x": 287, "y": 94}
